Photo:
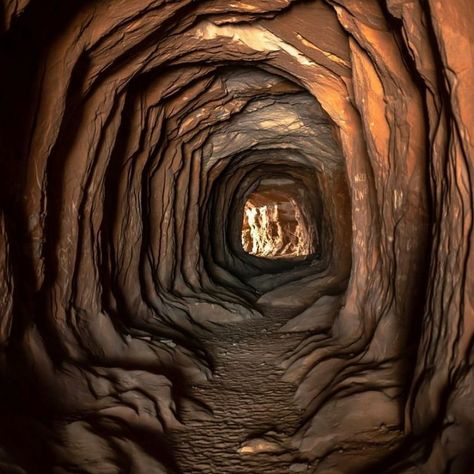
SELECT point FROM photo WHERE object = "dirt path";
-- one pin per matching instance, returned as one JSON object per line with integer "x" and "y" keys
{"x": 248, "y": 398}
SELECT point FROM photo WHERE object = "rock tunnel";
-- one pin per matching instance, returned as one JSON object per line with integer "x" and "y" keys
{"x": 237, "y": 236}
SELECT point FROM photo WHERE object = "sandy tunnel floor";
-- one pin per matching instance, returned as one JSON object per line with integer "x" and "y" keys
{"x": 248, "y": 399}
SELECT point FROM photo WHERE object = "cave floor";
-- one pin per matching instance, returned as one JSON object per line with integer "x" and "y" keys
{"x": 248, "y": 398}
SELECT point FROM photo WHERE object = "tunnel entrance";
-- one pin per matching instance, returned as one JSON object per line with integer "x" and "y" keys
{"x": 275, "y": 223}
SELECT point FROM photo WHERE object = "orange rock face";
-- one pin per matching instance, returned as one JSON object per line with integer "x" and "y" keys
{"x": 157, "y": 156}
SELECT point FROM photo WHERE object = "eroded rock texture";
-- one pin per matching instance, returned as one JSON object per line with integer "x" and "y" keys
{"x": 138, "y": 335}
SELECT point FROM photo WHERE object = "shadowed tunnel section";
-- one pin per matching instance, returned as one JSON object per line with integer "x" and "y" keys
{"x": 148, "y": 146}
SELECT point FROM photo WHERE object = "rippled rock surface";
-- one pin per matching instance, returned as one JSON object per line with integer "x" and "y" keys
{"x": 139, "y": 333}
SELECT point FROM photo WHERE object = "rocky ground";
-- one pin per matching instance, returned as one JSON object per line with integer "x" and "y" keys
{"x": 253, "y": 409}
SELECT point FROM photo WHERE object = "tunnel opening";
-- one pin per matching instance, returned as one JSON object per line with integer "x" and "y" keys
{"x": 292, "y": 176}
{"x": 275, "y": 223}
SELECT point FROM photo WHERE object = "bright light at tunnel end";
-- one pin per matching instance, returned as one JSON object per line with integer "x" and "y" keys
{"x": 270, "y": 233}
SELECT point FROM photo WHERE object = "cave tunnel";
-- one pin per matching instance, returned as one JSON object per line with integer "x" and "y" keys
{"x": 237, "y": 237}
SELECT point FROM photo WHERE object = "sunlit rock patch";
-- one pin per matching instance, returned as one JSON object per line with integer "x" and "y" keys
{"x": 275, "y": 229}
{"x": 268, "y": 232}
